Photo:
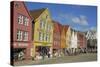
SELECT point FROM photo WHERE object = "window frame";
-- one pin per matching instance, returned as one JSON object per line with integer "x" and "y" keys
{"x": 25, "y": 36}
{"x": 19, "y": 35}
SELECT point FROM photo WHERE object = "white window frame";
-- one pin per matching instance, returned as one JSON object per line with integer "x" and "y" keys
{"x": 40, "y": 36}
{"x": 19, "y": 35}
{"x": 46, "y": 37}
{"x": 26, "y": 21}
{"x": 20, "y": 19}
{"x": 43, "y": 35}
{"x": 42, "y": 23}
{"x": 25, "y": 36}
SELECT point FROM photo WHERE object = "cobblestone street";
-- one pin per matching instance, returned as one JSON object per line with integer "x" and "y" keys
{"x": 65, "y": 59}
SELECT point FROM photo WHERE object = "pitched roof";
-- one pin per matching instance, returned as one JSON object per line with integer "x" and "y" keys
{"x": 66, "y": 28}
{"x": 56, "y": 27}
{"x": 36, "y": 13}
{"x": 23, "y": 5}
{"x": 27, "y": 9}
{"x": 58, "y": 24}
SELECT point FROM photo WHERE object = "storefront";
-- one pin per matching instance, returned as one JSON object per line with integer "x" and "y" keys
{"x": 42, "y": 51}
{"x": 21, "y": 51}
{"x": 19, "y": 54}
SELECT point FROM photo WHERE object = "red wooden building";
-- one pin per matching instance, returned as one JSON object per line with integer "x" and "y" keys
{"x": 56, "y": 38}
{"x": 82, "y": 41}
{"x": 21, "y": 32}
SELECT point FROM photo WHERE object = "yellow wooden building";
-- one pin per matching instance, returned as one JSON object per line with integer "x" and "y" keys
{"x": 65, "y": 38}
{"x": 43, "y": 32}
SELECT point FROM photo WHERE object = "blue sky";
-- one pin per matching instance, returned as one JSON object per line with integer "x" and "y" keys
{"x": 79, "y": 17}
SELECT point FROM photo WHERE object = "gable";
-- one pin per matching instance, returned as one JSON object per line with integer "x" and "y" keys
{"x": 36, "y": 13}
{"x": 19, "y": 7}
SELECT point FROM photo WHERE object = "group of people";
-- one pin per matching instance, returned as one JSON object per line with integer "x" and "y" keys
{"x": 43, "y": 52}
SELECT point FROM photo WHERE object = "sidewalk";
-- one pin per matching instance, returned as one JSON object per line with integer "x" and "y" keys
{"x": 31, "y": 62}
{"x": 63, "y": 59}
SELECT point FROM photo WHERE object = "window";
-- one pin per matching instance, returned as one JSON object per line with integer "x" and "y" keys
{"x": 42, "y": 24}
{"x": 25, "y": 36}
{"x": 46, "y": 38}
{"x": 40, "y": 36}
{"x": 43, "y": 37}
{"x": 20, "y": 19}
{"x": 49, "y": 38}
{"x": 48, "y": 27}
{"x": 23, "y": 20}
{"x": 19, "y": 35}
{"x": 26, "y": 21}
{"x": 22, "y": 36}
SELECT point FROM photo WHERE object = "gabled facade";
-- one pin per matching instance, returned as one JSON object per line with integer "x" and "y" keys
{"x": 43, "y": 32}
{"x": 63, "y": 38}
{"x": 73, "y": 44}
{"x": 73, "y": 39}
{"x": 91, "y": 40}
{"x": 91, "y": 35}
{"x": 68, "y": 39}
{"x": 82, "y": 41}
{"x": 21, "y": 31}
{"x": 56, "y": 38}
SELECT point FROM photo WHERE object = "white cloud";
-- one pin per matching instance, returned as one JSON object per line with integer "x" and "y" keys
{"x": 82, "y": 20}
{"x": 90, "y": 28}
{"x": 65, "y": 16}
{"x": 76, "y": 19}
